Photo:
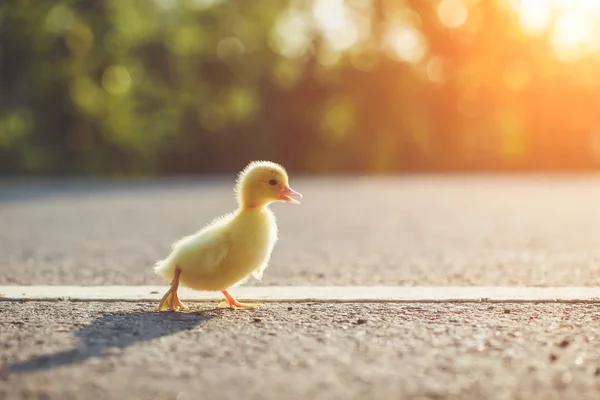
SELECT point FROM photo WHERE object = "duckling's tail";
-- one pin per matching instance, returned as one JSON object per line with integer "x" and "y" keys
{"x": 166, "y": 268}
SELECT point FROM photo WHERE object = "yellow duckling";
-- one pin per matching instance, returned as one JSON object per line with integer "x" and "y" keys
{"x": 229, "y": 249}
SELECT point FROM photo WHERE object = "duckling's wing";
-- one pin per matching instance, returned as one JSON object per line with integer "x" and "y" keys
{"x": 203, "y": 251}
{"x": 213, "y": 252}
{"x": 258, "y": 272}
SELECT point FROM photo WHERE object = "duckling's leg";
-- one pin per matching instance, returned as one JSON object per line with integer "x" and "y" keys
{"x": 165, "y": 302}
{"x": 171, "y": 299}
{"x": 175, "y": 299}
{"x": 233, "y": 303}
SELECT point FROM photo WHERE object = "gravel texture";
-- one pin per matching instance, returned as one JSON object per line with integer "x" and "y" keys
{"x": 64, "y": 350}
{"x": 478, "y": 230}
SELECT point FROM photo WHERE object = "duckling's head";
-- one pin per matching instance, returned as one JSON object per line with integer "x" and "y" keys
{"x": 263, "y": 182}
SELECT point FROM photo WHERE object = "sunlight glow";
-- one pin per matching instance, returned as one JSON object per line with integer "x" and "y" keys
{"x": 452, "y": 13}
{"x": 534, "y": 15}
{"x": 291, "y": 34}
{"x": 334, "y": 19}
{"x": 573, "y": 24}
{"x": 571, "y": 35}
{"x": 582, "y": 5}
{"x": 407, "y": 42}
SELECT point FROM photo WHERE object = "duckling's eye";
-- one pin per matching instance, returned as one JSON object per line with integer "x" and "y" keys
{"x": 272, "y": 182}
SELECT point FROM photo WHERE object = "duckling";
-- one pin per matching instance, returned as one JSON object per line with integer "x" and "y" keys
{"x": 234, "y": 246}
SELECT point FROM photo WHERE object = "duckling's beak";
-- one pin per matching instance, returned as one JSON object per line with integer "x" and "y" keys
{"x": 288, "y": 193}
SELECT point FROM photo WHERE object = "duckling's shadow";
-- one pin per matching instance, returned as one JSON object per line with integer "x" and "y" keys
{"x": 116, "y": 330}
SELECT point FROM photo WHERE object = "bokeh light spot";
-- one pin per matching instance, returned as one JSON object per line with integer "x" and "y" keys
{"x": 84, "y": 94}
{"x": 452, "y": 13}
{"x": 230, "y": 49}
{"x": 570, "y": 35}
{"x": 408, "y": 43}
{"x": 534, "y": 15}
{"x": 334, "y": 20}
{"x": 435, "y": 69}
{"x": 186, "y": 40}
{"x": 116, "y": 80}
{"x": 291, "y": 34}
{"x": 59, "y": 19}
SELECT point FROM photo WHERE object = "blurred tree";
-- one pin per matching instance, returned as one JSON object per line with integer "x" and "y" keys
{"x": 163, "y": 86}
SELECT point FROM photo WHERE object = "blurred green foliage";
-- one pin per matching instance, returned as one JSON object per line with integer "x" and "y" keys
{"x": 173, "y": 86}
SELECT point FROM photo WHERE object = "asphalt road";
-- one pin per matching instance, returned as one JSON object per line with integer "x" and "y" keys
{"x": 121, "y": 351}
{"x": 484, "y": 230}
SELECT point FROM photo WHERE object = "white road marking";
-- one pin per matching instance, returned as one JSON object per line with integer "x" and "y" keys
{"x": 327, "y": 294}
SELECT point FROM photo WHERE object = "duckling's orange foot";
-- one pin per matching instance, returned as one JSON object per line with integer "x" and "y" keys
{"x": 171, "y": 302}
{"x": 240, "y": 305}
{"x": 234, "y": 304}
{"x": 178, "y": 304}
{"x": 170, "y": 305}
{"x": 171, "y": 299}
{"x": 226, "y": 303}
{"x": 166, "y": 302}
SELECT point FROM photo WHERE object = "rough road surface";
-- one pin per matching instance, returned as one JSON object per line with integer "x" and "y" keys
{"x": 486, "y": 230}
{"x": 63, "y": 351}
